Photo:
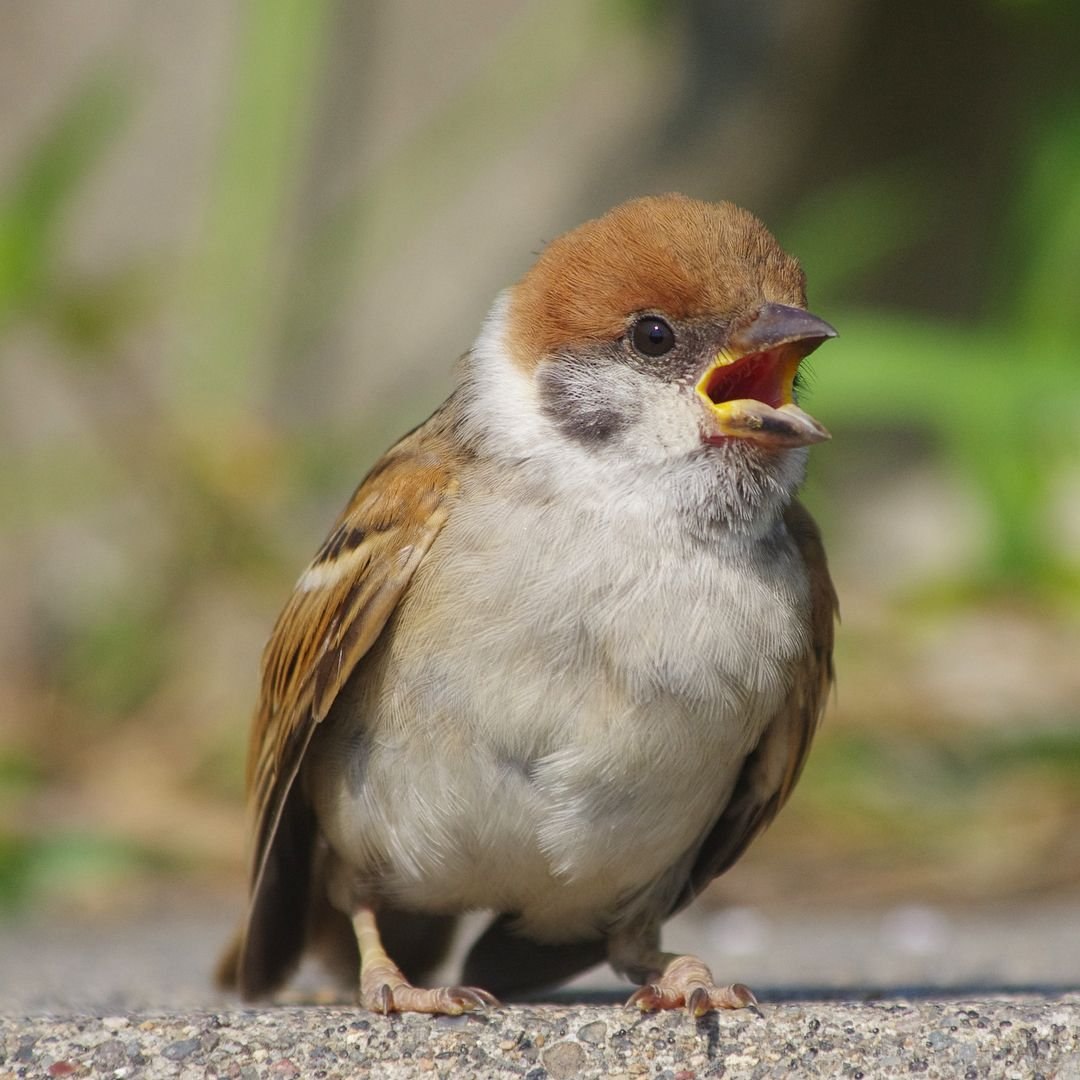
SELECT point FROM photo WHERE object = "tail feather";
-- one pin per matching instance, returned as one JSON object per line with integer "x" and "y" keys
{"x": 268, "y": 948}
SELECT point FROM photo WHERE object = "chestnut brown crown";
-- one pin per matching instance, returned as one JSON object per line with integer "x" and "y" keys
{"x": 664, "y": 253}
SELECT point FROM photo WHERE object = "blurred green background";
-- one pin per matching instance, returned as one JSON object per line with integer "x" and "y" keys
{"x": 219, "y": 222}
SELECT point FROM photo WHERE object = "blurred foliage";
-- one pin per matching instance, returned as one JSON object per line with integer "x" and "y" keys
{"x": 62, "y": 864}
{"x": 231, "y": 286}
{"x": 966, "y": 820}
{"x": 1000, "y": 397}
{"x": 537, "y": 57}
{"x": 33, "y": 865}
{"x": 170, "y": 515}
{"x": 32, "y": 209}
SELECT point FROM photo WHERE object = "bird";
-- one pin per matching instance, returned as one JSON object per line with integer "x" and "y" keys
{"x": 561, "y": 657}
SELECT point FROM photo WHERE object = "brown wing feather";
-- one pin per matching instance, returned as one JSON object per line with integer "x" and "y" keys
{"x": 770, "y": 772}
{"x": 338, "y": 608}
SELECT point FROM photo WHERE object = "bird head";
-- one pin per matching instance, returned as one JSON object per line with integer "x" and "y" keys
{"x": 668, "y": 329}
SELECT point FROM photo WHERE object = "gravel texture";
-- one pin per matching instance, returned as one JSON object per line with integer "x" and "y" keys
{"x": 1019, "y": 1037}
{"x": 910, "y": 992}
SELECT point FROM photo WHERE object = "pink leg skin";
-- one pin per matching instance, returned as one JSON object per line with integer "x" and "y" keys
{"x": 687, "y": 981}
{"x": 384, "y": 989}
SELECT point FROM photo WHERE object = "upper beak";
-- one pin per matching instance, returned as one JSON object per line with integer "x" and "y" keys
{"x": 748, "y": 386}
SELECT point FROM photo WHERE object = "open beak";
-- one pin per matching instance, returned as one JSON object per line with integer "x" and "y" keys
{"x": 748, "y": 386}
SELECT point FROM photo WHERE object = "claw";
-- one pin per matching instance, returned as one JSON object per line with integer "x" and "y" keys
{"x": 468, "y": 998}
{"x": 385, "y": 999}
{"x": 698, "y": 1004}
{"x": 645, "y": 998}
{"x": 743, "y": 997}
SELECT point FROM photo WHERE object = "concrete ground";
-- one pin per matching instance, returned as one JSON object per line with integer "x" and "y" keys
{"x": 909, "y": 991}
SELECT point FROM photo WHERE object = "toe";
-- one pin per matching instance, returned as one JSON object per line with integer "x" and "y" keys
{"x": 653, "y": 996}
{"x": 735, "y": 996}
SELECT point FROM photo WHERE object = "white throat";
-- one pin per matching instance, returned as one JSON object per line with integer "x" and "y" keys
{"x": 658, "y": 466}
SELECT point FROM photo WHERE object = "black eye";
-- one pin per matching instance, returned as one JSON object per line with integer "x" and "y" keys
{"x": 652, "y": 336}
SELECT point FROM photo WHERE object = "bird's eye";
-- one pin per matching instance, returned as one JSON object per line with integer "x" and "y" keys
{"x": 652, "y": 336}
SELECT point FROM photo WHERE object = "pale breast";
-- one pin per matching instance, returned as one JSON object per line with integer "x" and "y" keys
{"x": 559, "y": 712}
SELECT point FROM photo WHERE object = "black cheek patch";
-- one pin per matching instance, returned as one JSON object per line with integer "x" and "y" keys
{"x": 575, "y": 401}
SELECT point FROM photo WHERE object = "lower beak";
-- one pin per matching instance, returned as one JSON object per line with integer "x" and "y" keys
{"x": 748, "y": 388}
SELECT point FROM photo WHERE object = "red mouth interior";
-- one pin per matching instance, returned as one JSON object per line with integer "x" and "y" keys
{"x": 760, "y": 376}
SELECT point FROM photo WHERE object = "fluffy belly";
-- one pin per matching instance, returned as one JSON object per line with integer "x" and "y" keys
{"x": 456, "y": 819}
{"x": 557, "y": 741}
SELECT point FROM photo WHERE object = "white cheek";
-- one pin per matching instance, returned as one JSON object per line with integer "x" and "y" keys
{"x": 668, "y": 422}
{"x": 505, "y": 412}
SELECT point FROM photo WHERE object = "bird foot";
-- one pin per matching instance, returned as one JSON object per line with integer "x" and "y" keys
{"x": 384, "y": 989}
{"x": 687, "y": 981}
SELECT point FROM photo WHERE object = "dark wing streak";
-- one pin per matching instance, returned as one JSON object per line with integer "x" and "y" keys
{"x": 772, "y": 769}
{"x": 394, "y": 515}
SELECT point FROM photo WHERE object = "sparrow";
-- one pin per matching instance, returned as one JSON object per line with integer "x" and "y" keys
{"x": 562, "y": 655}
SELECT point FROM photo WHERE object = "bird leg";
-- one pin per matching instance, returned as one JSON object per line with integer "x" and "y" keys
{"x": 670, "y": 981}
{"x": 384, "y": 989}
